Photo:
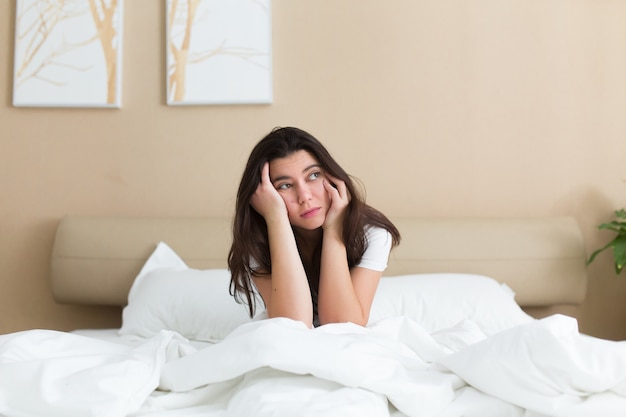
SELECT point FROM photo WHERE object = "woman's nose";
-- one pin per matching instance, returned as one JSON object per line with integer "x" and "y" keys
{"x": 304, "y": 194}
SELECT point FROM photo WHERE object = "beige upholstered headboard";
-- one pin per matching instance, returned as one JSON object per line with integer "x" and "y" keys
{"x": 95, "y": 259}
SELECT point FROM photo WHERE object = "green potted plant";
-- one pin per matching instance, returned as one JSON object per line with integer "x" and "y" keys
{"x": 618, "y": 243}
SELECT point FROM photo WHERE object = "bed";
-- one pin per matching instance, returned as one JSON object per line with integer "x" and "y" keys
{"x": 447, "y": 334}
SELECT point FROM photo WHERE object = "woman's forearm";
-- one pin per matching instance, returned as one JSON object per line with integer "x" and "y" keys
{"x": 289, "y": 295}
{"x": 337, "y": 299}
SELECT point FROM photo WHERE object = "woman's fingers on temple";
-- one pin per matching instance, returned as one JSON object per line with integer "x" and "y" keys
{"x": 330, "y": 187}
{"x": 265, "y": 172}
{"x": 339, "y": 185}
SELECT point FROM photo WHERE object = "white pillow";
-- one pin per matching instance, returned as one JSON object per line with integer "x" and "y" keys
{"x": 167, "y": 294}
{"x": 440, "y": 301}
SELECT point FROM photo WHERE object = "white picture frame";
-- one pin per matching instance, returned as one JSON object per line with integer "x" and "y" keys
{"x": 218, "y": 52}
{"x": 68, "y": 53}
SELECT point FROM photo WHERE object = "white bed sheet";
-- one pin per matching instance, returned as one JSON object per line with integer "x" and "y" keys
{"x": 114, "y": 335}
{"x": 278, "y": 367}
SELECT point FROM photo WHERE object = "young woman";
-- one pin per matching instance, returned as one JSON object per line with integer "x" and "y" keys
{"x": 303, "y": 237}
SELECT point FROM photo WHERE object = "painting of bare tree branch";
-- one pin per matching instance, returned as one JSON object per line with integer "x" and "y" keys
{"x": 68, "y": 53}
{"x": 219, "y": 52}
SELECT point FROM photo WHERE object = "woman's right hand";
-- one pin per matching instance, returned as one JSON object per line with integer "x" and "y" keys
{"x": 266, "y": 200}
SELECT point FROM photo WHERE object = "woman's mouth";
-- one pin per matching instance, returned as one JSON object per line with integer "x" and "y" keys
{"x": 310, "y": 213}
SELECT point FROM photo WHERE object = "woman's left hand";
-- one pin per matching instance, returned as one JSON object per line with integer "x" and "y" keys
{"x": 339, "y": 201}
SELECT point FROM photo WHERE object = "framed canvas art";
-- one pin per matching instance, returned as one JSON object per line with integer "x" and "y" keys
{"x": 68, "y": 53}
{"x": 219, "y": 52}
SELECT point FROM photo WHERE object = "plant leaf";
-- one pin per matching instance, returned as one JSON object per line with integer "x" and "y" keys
{"x": 615, "y": 226}
{"x": 619, "y": 253}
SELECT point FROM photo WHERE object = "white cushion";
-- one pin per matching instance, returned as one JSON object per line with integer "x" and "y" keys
{"x": 440, "y": 301}
{"x": 167, "y": 294}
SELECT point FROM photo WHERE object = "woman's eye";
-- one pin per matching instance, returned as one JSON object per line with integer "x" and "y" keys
{"x": 315, "y": 175}
{"x": 283, "y": 186}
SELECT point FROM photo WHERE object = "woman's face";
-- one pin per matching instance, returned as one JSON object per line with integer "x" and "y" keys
{"x": 299, "y": 178}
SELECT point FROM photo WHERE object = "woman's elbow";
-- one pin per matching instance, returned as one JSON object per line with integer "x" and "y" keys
{"x": 307, "y": 319}
{"x": 360, "y": 320}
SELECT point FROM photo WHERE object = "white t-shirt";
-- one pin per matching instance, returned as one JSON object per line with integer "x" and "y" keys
{"x": 376, "y": 255}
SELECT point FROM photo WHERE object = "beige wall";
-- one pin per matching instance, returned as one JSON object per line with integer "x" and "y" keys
{"x": 442, "y": 108}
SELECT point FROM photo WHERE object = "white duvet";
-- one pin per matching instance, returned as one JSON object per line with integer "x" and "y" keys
{"x": 278, "y": 367}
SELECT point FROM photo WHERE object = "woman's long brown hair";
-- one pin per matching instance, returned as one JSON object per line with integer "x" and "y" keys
{"x": 250, "y": 238}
